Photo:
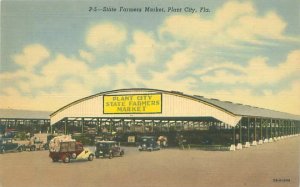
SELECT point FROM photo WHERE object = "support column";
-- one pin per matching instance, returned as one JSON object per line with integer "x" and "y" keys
{"x": 143, "y": 125}
{"x": 248, "y": 133}
{"x": 276, "y": 129}
{"x": 255, "y": 129}
{"x": 232, "y": 147}
{"x": 284, "y": 127}
{"x": 110, "y": 125}
{"x": 123, "y": 125}
{"x": 291, "y": 128}
{"x": 260, "y": 141}
{"x": 266, "y": 130}
{"x": 254, "y": 142}
{"x": 97, "y": 125}
{"x": 271, "y": 132}
{"x": 239, "y": 145}
{"x": 66, "y": 121}
{"x": 152, "y": 126}
{"x": 248, "y": 129}
{"x": 82, "y": 122}
{"x": 160, "y": 126}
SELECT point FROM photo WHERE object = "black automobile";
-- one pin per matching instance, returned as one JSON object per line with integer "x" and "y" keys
{"x": 7, "y": 145}
{"x": 148, "y": 143}
{"x": 108, "y": 149}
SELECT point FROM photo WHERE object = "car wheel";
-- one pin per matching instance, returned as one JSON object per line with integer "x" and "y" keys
{"x": 91, "y": 157}
{"x": 2, "y": 150}
{"x": 55, "y": 159}
{"x": 121, "y": 153}
{"x": 110, "y": 156}
{"x": 32, "y": 148}
{"x": 66, "y": 159}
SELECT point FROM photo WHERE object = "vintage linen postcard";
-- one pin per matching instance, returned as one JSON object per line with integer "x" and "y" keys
{"x": 140, "y": 93}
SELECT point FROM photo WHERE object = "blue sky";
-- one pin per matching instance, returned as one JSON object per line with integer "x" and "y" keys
{"x": 54, "y": 52}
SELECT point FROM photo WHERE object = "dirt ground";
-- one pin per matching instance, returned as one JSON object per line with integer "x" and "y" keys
{"x": 268, "y": 165}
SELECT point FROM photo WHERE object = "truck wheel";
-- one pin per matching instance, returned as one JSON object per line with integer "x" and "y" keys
{"x": 74, "y": 156}
{"x": 66, "y": 159}
{"x": 91, "y": 157}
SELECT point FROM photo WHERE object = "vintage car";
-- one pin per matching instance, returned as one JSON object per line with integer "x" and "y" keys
{"x": 7, "y": 145}
{"x": 108, "y": 149}
{"x": 37, "y": 142}
{"x": 148, "y": 143}
{"x": 68, "y": 150}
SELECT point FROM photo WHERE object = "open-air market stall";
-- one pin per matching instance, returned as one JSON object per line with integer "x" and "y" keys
{"x": 195, "y": 119}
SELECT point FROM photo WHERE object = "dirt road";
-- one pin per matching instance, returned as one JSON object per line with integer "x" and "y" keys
{"x": 272, "y": 164}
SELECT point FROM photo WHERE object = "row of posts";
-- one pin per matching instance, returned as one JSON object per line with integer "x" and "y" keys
{"x": 263, "y": 129}
{"x": 248, "y": 129}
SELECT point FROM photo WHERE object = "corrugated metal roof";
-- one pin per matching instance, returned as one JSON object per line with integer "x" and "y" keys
{"x": 234, "y": 108}
{"x": 247, "y": 110}
{"x": 24, "y": 114}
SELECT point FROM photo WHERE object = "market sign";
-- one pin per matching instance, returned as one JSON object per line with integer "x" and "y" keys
{"x": 132, "y": 104}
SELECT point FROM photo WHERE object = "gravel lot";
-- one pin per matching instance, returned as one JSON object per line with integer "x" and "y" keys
{"x": 252, "y": 167}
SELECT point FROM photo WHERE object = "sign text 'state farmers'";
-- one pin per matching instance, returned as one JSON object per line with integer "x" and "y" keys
{"x": 126, "y": 104}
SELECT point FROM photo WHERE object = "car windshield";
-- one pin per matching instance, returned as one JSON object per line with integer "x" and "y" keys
{"x": 5, "y": 141}
{"x": 147, "y": 139}
{"x": 106, "y": 145}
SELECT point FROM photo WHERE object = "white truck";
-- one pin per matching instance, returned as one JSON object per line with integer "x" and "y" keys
{"x": 36, "y": 142}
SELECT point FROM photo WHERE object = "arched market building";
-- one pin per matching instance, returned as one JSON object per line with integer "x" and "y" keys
{"x": 201, "y": 121}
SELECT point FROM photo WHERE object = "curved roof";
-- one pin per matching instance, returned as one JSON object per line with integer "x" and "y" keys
{"x": 228, "y": 107}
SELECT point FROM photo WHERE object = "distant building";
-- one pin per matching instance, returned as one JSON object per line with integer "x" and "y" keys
{"x": 24, "y": 121}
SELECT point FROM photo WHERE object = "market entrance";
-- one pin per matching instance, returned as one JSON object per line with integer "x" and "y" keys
{"x": 192, "y": 130}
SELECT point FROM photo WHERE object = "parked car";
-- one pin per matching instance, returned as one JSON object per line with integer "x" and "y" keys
{"x": 148, "y": 143}
{"x": 67, "y": 150}
{"x": 108, "y": 149}
{"x": 7, "y": 145}
{"x": 37, "y": 142}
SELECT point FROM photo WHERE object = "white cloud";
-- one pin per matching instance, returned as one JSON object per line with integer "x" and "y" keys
{"x": 179, "y": 62}
{"x": 233, "y": 23}
{"x": 47, "y": 101}
{"x": 85, "y": 55}
{"x": 106, "y": 36}
{"x": 144, "y": 48}
{"x": 31, "y": 56}
{"x": 256, "y": 72}
{"x": 64, "y": 66}
{"x": 285, "y": 101}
